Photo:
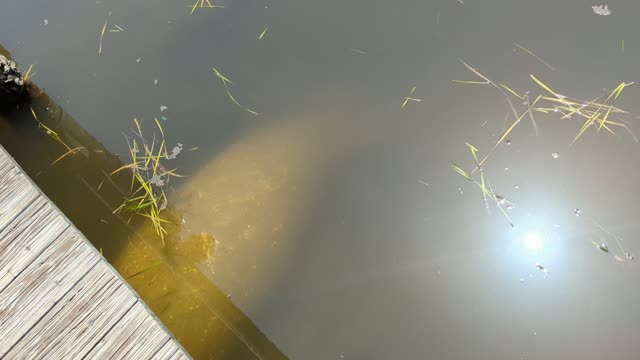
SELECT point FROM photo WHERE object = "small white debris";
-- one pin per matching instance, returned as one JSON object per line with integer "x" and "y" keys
{"x": 174, "y": 152}
{"x": 45, "y": 22}
{"x": 555, "y": 155}
{"x": 508, "y": 142}
{"x": 521, "y": 280}
{"x": 155, "y": 82}
{"x": 138, "y": 60}
{"x": 601, "y": 10}
{"x": 577, "y": 212}
{"x": 516, "y": 186}
{"x": 629, "y": 256}
{"x": 506, "y": 168}
{"x": 163, "y": 108}
{"x": 157, "y": 180}
{"x": 460, "y": 190}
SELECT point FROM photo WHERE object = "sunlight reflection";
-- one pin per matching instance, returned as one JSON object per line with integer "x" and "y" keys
{"x": 533, "y": 242}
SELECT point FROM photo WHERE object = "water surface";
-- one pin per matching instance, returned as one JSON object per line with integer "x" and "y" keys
{"x": 309, "y": 228}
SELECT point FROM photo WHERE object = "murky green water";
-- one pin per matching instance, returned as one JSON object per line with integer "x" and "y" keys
{"x": 331, "y": 225}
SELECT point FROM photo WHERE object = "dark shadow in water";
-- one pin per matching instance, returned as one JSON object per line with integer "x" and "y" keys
{"x": 80, "y": 187}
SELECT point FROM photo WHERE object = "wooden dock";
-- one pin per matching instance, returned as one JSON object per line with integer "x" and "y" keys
{"x": 59, "y": 298}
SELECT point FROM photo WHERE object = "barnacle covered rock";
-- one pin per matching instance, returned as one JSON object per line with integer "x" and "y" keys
{"x": 11, "y": 81}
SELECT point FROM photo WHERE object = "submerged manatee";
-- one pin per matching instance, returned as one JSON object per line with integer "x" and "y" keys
{"x": 242, "y": 213}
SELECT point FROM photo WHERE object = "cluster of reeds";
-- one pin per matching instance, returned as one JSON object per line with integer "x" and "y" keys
{"x": 599, "y": 114}
{"x": 149, "y": 177}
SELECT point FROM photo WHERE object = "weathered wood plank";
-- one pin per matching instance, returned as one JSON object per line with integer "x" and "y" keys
{"x": 18, "y": 224}
{"x": 121, "y": 333}
{"x": 59, "y": 298}
{"x": 148, "y": 339}
{"x": 85, "y": 314}
{"x": 168, "y": 350}
{"x": 16, "y": 192}
{"x": 42, "y": 285}
{"x": 5, "y": 165}
{"x": 26, "y": 237}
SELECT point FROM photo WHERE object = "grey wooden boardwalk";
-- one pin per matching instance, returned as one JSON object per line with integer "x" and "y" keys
{"x": 59, "y": 298}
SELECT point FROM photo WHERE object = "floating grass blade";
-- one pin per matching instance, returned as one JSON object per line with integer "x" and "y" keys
{"x": 28, "y": 73}
{"x": 201, "y": 4}
{"x": 264, "y": 32}
{"x": 470, "y": 82}
{"x": 406, "y": 99}
{"x": 104, "y": 28}
{"x": 461, "y": 172}
{"x": 54, "y": 135}
{"x": 533, "y": 121}
{"x": 68, "y": 153}
{"x": 542, "y": 85}
{"x": 504, "y": 213}
{"x": 359, "y": 51}
{"x": 476, "y": 72}
{"x": 511, "y": 91}
{"x": 474, "y": 152}
{"x": 485, "y": 187}
{"x": 535, "y": 56}
{"x": 224, "y": 82}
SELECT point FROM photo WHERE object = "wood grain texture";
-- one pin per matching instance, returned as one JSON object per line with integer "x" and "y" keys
{"x": 59, "y": 298}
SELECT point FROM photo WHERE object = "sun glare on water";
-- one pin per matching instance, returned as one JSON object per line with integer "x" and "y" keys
{"x": 533, "y": 242}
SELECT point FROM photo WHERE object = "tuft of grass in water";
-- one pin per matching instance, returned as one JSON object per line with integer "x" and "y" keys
{"x": 149, "y": 177}
{"x": 596, "y": 112}
{"x": 599, "y": 113}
